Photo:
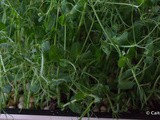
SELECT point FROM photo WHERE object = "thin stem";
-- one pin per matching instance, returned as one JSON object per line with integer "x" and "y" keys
{"x": 65, "y": 35}
{"x": 106, "y": 34}
{"x": 42, "y": 67}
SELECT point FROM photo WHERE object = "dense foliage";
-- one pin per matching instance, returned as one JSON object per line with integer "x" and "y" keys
{"x": 80, "y": 53}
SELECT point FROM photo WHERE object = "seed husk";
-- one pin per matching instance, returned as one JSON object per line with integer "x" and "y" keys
{"x": 103, "y": 109}
{"x": 105, "y": 101}
{"x": 31, "y": 100}
{"x": 95, "y": 109}
{"x": 21, "y": 99}
{"x": 11, "y": 107}
{"x": 31, "y": 105}
{"x": 20, "y": 105}
{"x": 46, "y": 108}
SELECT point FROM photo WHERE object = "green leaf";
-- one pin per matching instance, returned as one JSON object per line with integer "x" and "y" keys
{"x": 155, "y": 9}
{"x": 121, "y": 39}
{"x": 96, "y": 98}
{"x": 98, "y": 54}
{"x": 100, "y": 89}
{"x": 105, "y": 48}
{"x": 34, "y": 87}
{"x": 149, "y": 48}
{"x": 76, "y": 49}
{"x": 148, "y": 60}
{"x": 2, "y": 26}
{"x": 38, "y": 31}
{"x": 49, "y": 23}
{"x": 55, "y": 53}
{"x": 7, "y": 88}
{"x": 126, "y": 74}
{"x": 122, "y": 61}
{"x": 110, "y": 32}
{"x": 61, "y": 20}
{"x": 76, "y": 107}
{"x": 125, "y": 85}
{"x": 80, "y": 96}
{"x": 3, "y": 41}
{"x": 85, "y": 56}
{"x": 63, "y": 63}
{"x": 77, "y": 7}
{"x": 52, "y": 87}
{"x": 45, "y": 46}
{"x": 131, "y": 53}
{"x": 59, "y": 81}
{"x": 140, "y": 1}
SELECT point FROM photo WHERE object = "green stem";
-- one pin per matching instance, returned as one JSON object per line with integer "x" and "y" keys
{"x": 65, "y": 39}
{"x": 56, "y": 27}
{"x": 42, "y": 68}
{"x": 109, "y": 100}
{"x": 106, "y": 34}
{"x": 119, "y": 90}
{"x": 86, "y": 110}
{"x": 158, "y": 78}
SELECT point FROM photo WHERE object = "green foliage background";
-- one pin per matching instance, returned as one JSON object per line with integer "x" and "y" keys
{"x": 86, "y": 50}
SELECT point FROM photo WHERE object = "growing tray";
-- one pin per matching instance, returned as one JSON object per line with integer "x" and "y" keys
{"x": 32, "y": 114}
